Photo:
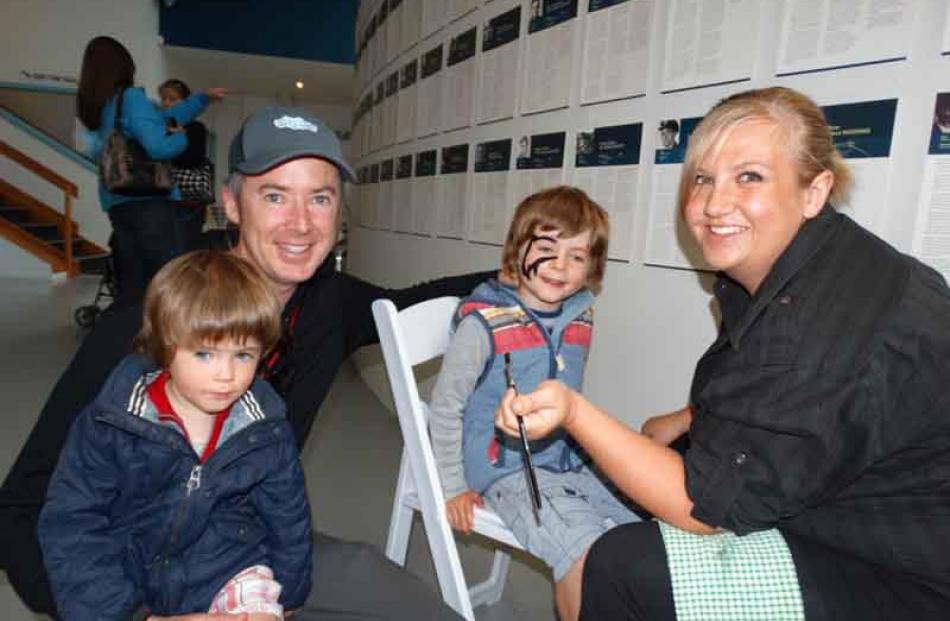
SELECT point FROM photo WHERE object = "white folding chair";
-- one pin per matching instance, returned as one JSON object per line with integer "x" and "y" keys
{"x": 410, "y": 337}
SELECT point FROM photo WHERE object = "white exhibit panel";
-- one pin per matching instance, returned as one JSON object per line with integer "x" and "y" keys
{"x": 368, "y": 178}
{"x": 945, "y": 45}
{"x": 540, "y": 163}
{"x": 359, "y": 63}
{"x": 372, "y": 44}
{"x": 384, "y": 197}
{"x": 550, "y": 55}
{"x": 394, "y": 30}
{"x": 362, "y": 192}
{"x": 458, "y": 98}
{"x": 616, "y": 49}
{"x": 607, "y": 167}
{"x": 363, "y": 124}
{"x": 390, "y": 109}
{"x": 402, "y": 195}
{"x": 709, "y": 42}
{"x": 492, "y": 201}
{"x": 372, "y": 199}
{"x": 429, "y": 104}
{"x": 423, "y": 192}
{"x": 369, "y": 126}
{"x": 666, "y": 241}
{"x": 406, "y": 101}
{"x": 499, "y": 66}
{"x": 357, "y": 132}
{"x": 363, "y": 70}
{"x": 932, "y": 243}
{"x": 360, "y": 42}
{"x": 357, "y": 204}
{"x": 828, "y": 34}
{"x": 435, "y": 14}
{"x": 460, "y": 8}
{"x": 380, "y": 44}
{"x": 378, "y": 116}
{"x": 452, "y": 185}
{"x": 411, "y": 23}
{"x": 932, "y": 235}
{"x": 863, "y": 132}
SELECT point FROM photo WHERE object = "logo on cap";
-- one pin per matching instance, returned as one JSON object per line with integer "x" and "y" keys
{"x": 295, "y": 123}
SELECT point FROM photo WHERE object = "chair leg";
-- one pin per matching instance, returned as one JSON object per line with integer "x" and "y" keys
{"x": 448, "y": 566}
{"x": 400, "y": 524}
{"x": 491, "y": 590}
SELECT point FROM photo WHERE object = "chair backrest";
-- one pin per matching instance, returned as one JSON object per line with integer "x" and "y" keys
{"x": 410, "y": 337}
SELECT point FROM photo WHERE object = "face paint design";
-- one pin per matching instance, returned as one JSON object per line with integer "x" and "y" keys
{"x": 530, "y": 271}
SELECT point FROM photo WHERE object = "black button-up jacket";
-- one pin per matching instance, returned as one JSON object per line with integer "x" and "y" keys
{"x": 823, "y": 407}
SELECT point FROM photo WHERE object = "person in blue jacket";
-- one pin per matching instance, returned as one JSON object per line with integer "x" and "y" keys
{"x": 183, "y": 473}
{"x": 147, "y": 230}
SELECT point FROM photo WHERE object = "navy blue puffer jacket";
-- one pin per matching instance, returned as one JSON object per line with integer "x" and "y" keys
{"x": 133, "y": 521}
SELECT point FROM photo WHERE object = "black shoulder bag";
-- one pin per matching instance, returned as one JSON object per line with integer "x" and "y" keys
{"x": 126, "y": 169}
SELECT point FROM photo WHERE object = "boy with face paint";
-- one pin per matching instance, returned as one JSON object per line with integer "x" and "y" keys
{"x": 536, "y": 320}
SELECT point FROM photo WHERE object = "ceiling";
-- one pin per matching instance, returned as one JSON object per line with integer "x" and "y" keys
{"x": 267, "y": 76}
{"x": 320, "y": 30}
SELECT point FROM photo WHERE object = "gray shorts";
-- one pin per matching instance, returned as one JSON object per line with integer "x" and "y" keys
{"x": 576, "y": 509}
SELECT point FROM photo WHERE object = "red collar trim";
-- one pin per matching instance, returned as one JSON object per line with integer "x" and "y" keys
{"x": 158, "y": 394}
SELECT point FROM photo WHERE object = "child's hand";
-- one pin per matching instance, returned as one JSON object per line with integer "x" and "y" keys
{"x": 461, "y": 510}
{"x": 664, "y": 429}
{"x": 216, "y": 94}
{"x": 206, "y": 617}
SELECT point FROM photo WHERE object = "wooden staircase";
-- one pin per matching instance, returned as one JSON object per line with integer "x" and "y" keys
{"x": 46, "y": 233}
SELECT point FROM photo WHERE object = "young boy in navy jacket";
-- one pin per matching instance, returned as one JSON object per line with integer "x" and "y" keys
{"x": 180, "y": 488}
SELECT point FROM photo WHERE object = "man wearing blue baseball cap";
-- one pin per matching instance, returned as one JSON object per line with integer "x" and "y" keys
{"x": 284, "y": 192}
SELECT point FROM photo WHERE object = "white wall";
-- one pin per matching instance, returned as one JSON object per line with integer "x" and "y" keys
{"x": 653, "y": 322}
{"x": 49, "y": 36}
{"x": 53, "y": 112}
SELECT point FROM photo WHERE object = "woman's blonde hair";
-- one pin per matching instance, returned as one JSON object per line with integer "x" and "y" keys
{"x": 563, "y": 208}
{"x": 807, "y": 132}
{"x": 204, "y": 297}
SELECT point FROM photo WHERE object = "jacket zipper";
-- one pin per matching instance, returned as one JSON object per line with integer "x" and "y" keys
{"x": 194, "y": 480}
{"x": 192, "y": 484}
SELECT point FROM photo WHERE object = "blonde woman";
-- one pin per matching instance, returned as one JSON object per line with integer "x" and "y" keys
{"x": 816, "y": 483}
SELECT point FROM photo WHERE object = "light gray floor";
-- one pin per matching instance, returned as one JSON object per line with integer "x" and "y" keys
{"x": 351, "y": 458}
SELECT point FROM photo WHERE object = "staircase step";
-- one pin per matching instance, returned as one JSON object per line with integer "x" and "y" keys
{"x": 60, "y": 244}
{"x": 86, "y": 250}
{"x": 15, "y": 214}
{"x": 93, "y": 263}
{"x": 46, "y": 232}
{"x": 37, "y": 228}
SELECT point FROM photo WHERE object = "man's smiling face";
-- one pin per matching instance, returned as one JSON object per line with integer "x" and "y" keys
{"x": 288, "y": 218}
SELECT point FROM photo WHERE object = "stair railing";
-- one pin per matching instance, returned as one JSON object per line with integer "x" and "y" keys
{"x": 70, "y": 192}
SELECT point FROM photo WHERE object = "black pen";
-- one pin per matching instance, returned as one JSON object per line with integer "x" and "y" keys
{"x": 525, "y": 450}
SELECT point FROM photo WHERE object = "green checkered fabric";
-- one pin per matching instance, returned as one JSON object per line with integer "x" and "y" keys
{"x": 725, "y": 577}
